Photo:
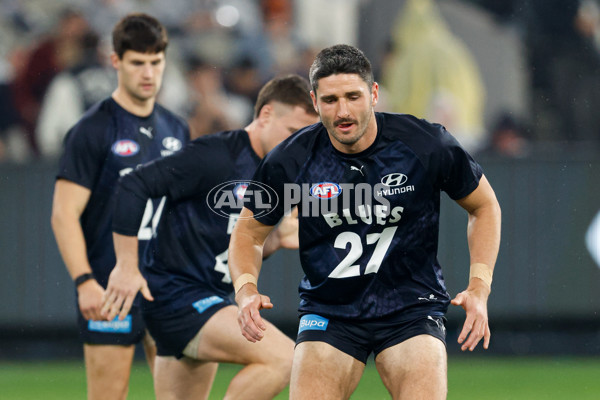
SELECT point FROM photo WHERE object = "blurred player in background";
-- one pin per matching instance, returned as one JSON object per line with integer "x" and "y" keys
{"x": 190, "y": 313}
{"x": 111, "y": 139}
{"x": 372, "y": 280}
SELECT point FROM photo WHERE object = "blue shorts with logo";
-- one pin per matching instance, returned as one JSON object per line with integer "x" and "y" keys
{"x": 361, "y": 338}
{"x": 127, "y": 332}
{"x": 172, "y": 329}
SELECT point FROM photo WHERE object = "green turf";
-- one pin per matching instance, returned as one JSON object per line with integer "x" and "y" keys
{"x": 485, "y": 378}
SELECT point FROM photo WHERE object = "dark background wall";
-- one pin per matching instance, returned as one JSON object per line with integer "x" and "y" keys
{"x": 544, "y": 296}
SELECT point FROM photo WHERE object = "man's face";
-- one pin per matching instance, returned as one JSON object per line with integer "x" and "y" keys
{"x": 140, "y": 74}
{"x": 284, "y": 121}
{"x": 345, "y": 105}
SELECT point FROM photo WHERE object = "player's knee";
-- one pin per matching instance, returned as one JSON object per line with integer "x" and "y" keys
{"x": 280, "y": 366}
{"x": 283, "y": 364}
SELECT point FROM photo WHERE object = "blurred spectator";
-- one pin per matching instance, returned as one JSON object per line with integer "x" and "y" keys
{"x": 431, "y": 74}
{"x": 212, "y": 108}
{"x": 8, "y": 113}
{"x": 71, "y": 93}
{"x": 564, "y": 54}
{"x": 277, "y": 49}
{"x": 60, "y": 50}
{"x": 508, "y": 139}
{"x": 243, "y": 79}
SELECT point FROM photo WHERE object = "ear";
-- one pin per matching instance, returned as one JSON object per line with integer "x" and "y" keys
{"x": 374, "y": 94}
{"x": 266, "y": 114}
{"x": 313, "y": 96}
{"x": 114, "y": 60}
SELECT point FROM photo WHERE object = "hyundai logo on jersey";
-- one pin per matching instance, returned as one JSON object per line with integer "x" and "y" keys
{"x": 114, "y": 326}
{"x": 325, "y": 190}
{"x": 240, "y": 189}
{"x": 395, "y": 179}
{"x": 172, "y": 143}
{"x": 313, "y": 322}
{"x": 125, "y": 148}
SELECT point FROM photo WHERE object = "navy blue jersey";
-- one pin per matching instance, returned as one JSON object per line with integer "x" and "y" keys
{"x": 190, "y": 252}
{"x": 106, "y": 143}
{"x": 369, "y": 248}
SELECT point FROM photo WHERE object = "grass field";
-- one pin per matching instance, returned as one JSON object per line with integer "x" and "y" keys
{"x": 482, "y": 378}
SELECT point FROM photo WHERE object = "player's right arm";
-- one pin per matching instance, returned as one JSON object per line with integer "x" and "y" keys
{"x": 245, "y": 259}
{"x": 177, "y": 176}
{"x": 70, "y": 199}
{"x": 131, "y": 195}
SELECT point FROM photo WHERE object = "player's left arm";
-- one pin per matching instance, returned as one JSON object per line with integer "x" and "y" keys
{"x": 483, "y": 233}
{"x": 174, "y": 177}
{"x": 284, "y": 236}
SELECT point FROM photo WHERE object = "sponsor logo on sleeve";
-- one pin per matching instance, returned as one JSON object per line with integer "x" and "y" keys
{"x": 325, "y": 190}
{"x": 114, "y": 326}
{"x": 125, "y": 148}
{"x": 313, "y": 322}
{"x": 207, "y": 302}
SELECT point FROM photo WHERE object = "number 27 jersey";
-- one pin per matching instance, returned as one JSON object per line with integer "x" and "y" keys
{"x": 369, "y": 222}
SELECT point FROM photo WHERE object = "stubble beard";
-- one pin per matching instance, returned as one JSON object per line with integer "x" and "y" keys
{"x": 349, "y": 140}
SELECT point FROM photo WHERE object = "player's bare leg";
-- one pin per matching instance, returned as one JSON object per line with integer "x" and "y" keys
{"x": 150, "y": 351}
{"x": 321, "y": 371}
{"x": 415, "y": 369}
{"x": 267, "y": 363}
{"x": 108, "y": 368}
{"x": 183, "y": 379}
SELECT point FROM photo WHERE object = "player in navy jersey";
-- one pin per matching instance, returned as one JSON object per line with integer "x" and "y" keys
{"x": 111, "y": 139}
{"x": 189, "y": 311}
{"x": 368, "y": 189}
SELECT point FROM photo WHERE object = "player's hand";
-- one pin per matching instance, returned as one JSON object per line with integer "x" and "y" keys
{"x": 124, "y": 283}
{"x": 250, "y": 302}
{"x": 474, "y": 302}
{"x": 90, "y": 295}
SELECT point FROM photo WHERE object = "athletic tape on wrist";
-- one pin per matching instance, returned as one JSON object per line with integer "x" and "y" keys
{"x": 481, "y": 271}
{"x": 242, "y": 280}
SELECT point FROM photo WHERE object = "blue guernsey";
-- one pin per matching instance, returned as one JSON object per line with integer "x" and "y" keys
{"x": 107, "y": 143}
{"x": 369, "y": 222}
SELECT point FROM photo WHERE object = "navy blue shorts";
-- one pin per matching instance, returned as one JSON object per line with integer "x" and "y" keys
{"x": 128, "y": 332}
{"x": 172, "y": 330}
{"x": 361, "y": 338}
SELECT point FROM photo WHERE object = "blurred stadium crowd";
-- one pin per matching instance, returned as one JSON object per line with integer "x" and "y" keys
{"x": 54, "y": 64}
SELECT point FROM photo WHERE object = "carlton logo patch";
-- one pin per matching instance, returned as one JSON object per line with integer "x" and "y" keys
{"x": 125, "y": 148}
{"x": 325, "y": 190}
